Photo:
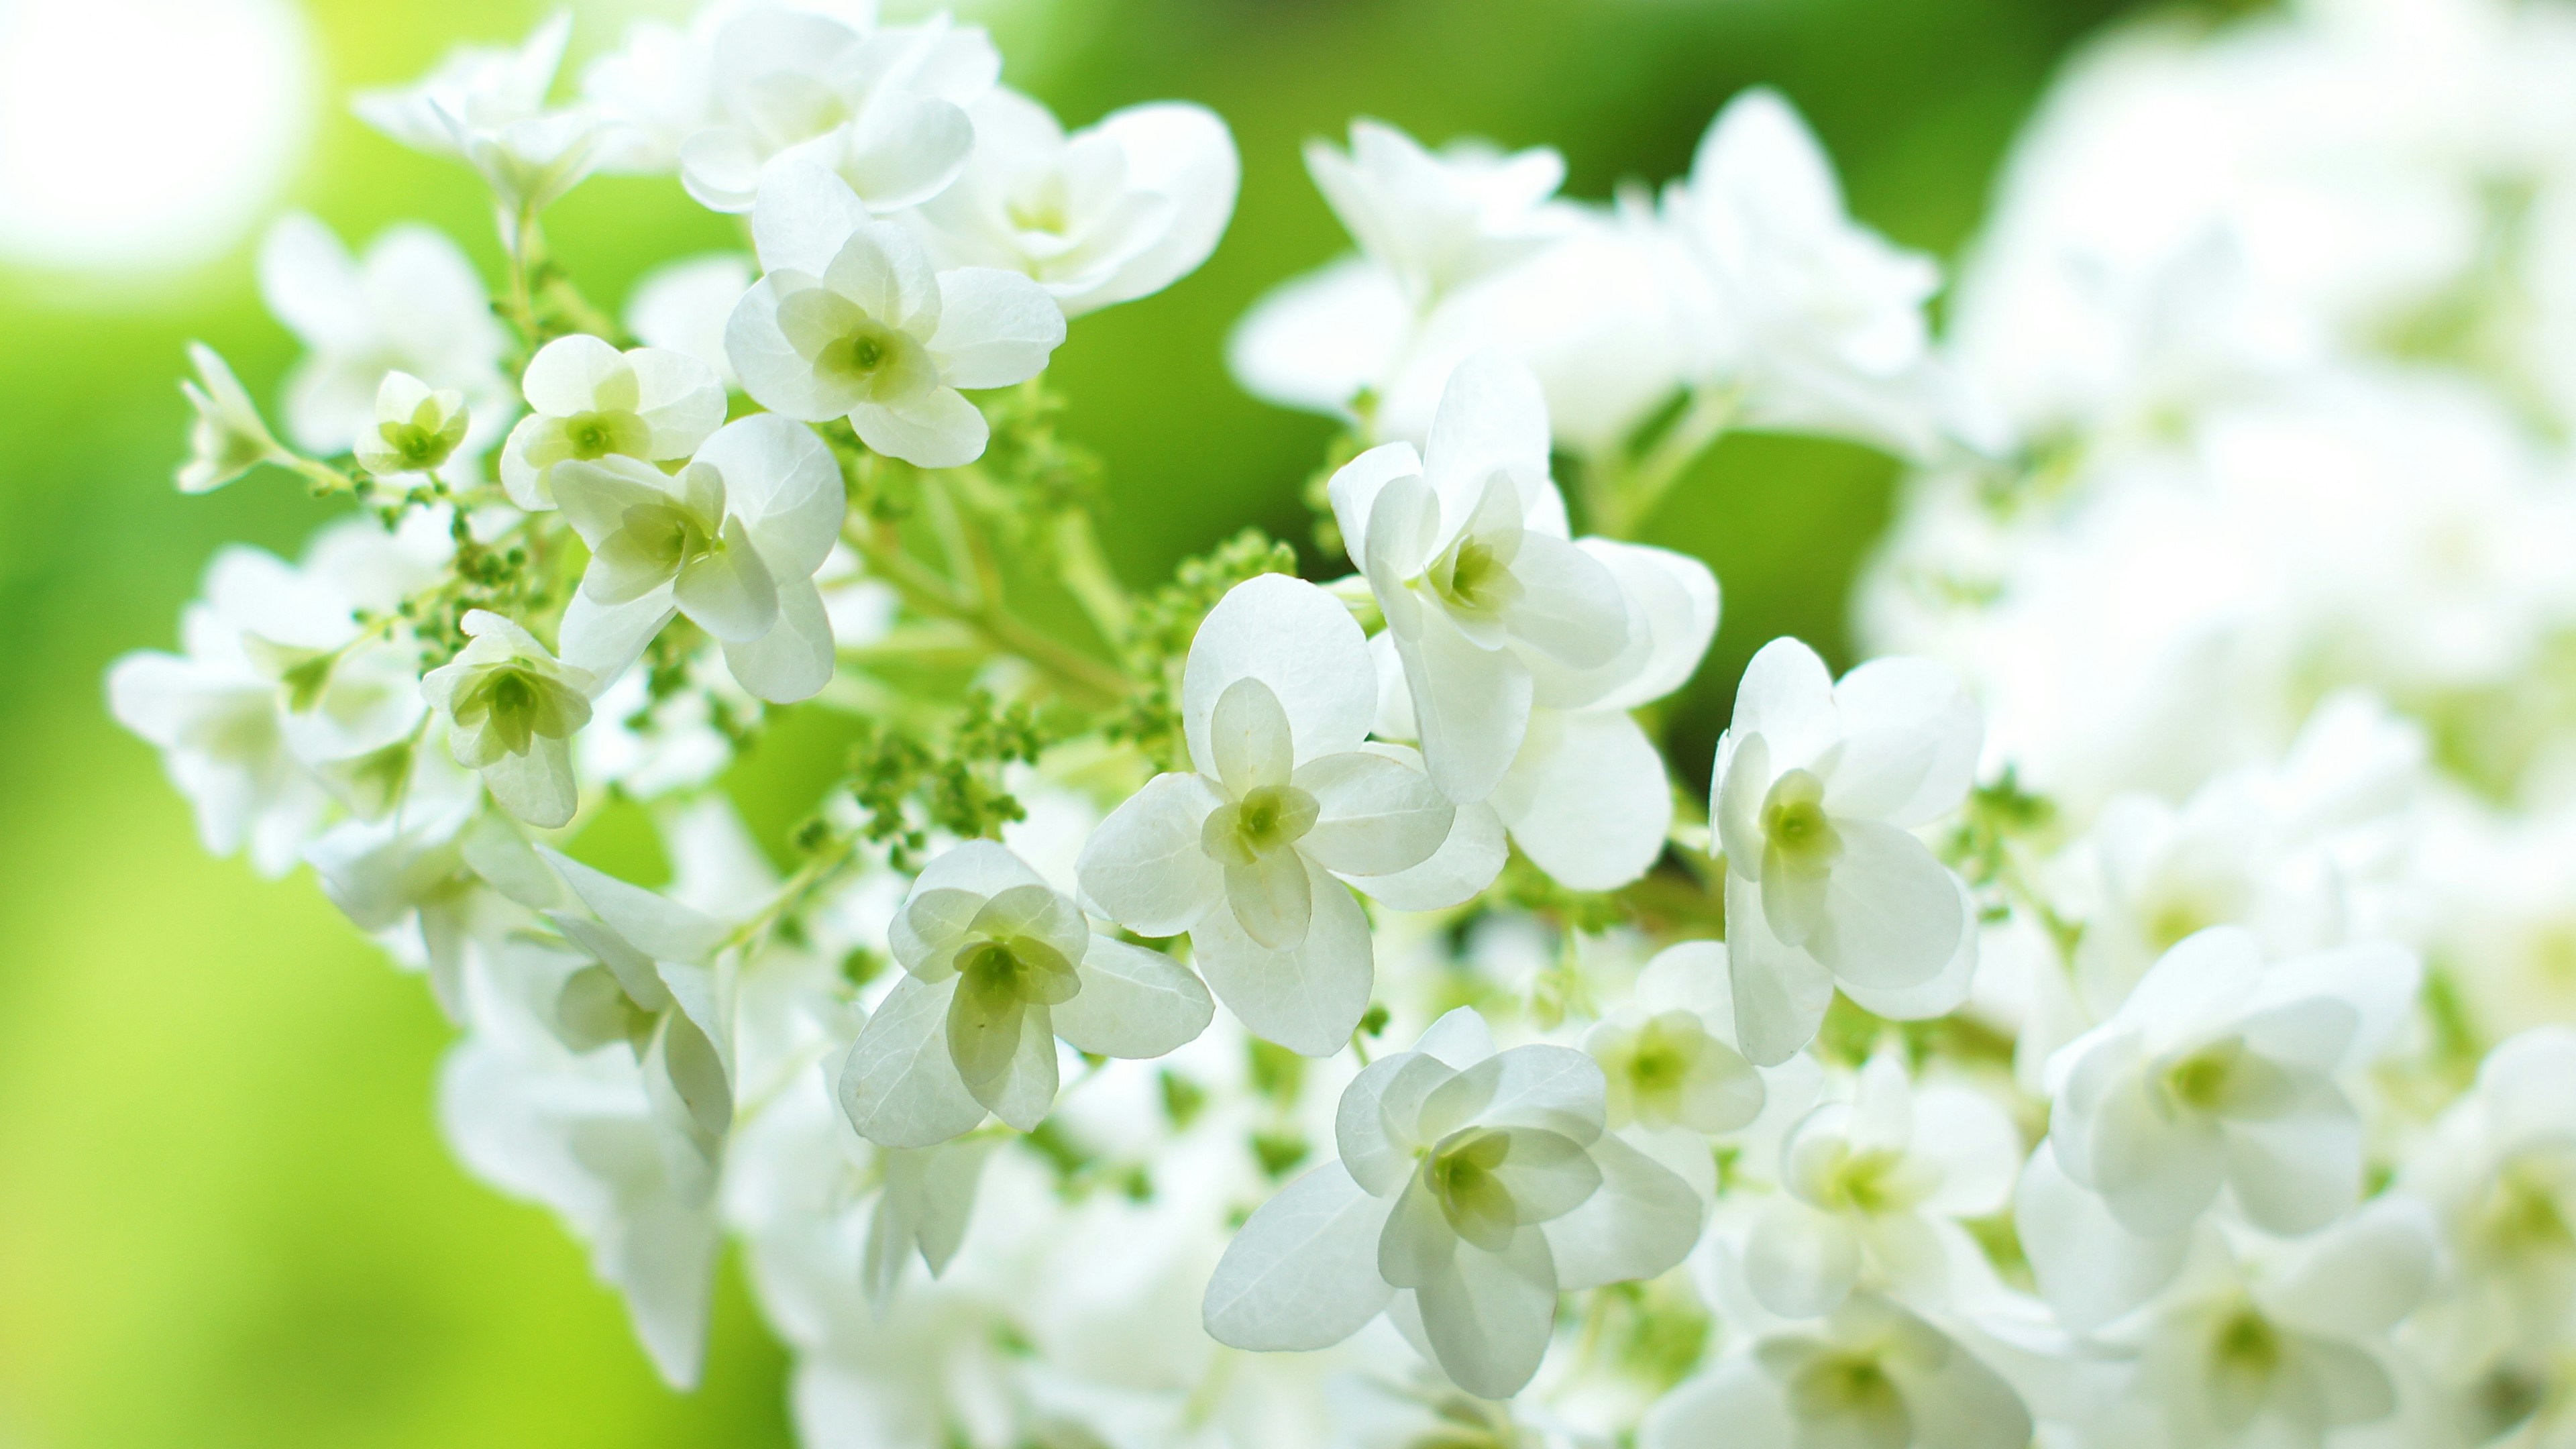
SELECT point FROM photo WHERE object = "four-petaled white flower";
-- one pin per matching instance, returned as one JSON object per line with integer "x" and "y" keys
{"x": 228, "y": 437}
{"x": 1473, "y": 1187}
{"x": 588, "y": 401}
{"x": 2221, "y": 1071}
{"x": 1436, "y": 221}
{"x": 417, "y": 427}
{"x": 1873, "y": 1188}
{"x": 486, "y": 106}
{"x": 1249, "y": 854}
{"x": 997, "y": 966}
{"x": 412, "y": 304}
{"x": 1809, "y": 320}
{"x": 732, "y": 540}
{"x": 1873, "y": 1374}
{"x": 1492, "y": 609}
{"x": 1667, "y": 1057}
{"x": 1817, "y": 786}
{"x": 881, "y": 107}
{"x": 851, "y": 320}
{"x": 1109, "y": 214}
{"x": 512, "y": 709}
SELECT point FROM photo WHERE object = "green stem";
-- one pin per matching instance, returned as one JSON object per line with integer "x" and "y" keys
{"x": 1622, "y": 501}
{"x": 1078, "y": 674}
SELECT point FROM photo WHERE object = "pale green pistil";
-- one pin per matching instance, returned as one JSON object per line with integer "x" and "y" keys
{"x": 1267, "y": 820}
{"x": 1794, "y": 822}
{"x": 1853, "y": 1392}
{"x": 1876, "y": 1180}
{"x": 592, "y": 436}
{"x": 668, "y": 535}
{"x": 1474, "y": 578}
{"x": 997, "y": 982}
{"x": 1464, "y": 1176}
{"x": 518, "y": 706}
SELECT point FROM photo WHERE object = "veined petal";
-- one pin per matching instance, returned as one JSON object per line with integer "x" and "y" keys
{"x": 793, "y": 661}
{"x": 1248, "y": 738}
{"x": 941, "y": 429}
{"x": 996, "y": 328}
{"x": 1302, "y": 1272}
{"x": 1299, "y": 641}
{"x": 2090, "y": 1268}
{"x": 1417, "y": 1244}
{"x": 729, "y": 593}
{"x": 1554, "y": 1088}
{"x": 1355, "y": 487}
{"x": 1375, "y": 815}
{"x": 805, "y": 215}
{"x": 2156, "y": 1170}
{"x": 679, "y": 397}
{"x": 1587, "y": 798}
{"x": 1643, "y": 1220}
{"x": 1133, "y": 1003}
{"x": 777, "y": 376}
{"x": 1473, "y": 706}
{"x": 1801, "y": 1261}
{"x": 1144, "y": 865}
{"x": 1744, "y": 780}
{"x": 1489, "y": 1317}
{"x": 1569, "y": 609}
{"x": 2295, "y": 1174}
{"x": 1025, "y": 1091}
{"x": 898, "y": 1086}
{"x": 1270, "y": 898}
{"x": 536, "y": 786}
{"x": 1492, "y": 418}
{"x": 1468, "y": 859}
{"x": 1309, "y": 999}
{"x": 1911, "y": 734}
{"x": 568, "y": 374}
{"x": 784, "y": 483}
{"x": 1373, "y": 1126}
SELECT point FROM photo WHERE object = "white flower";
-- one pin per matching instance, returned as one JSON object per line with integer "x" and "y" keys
{"x": 1249, "y": 854}
{"x": 1111, "y": 213}
{"x": 2499, "y": 1173}
{"x": 1872, "y": 1374}
{"x": 732, "y": 540}
{"x": 1437, "y": 221}
{"x": 1668, "y": 1056}
{"x": 228, "y": 437}
{"x": 2221, "y": 1072}
{"x": 281, "y": 704}
{"x": 588, "y": 401}
{"x": 1492, "y": 609}
{"x": 1872, "y": 1190}
{"x": 682, "y": 307}
{"x": 1817, "y": 323}
{"x": 850, "y": 319}
{"x": 486, "y": 106}
{"x": 1817, "y": 786}
{"x": 414, "y": 304}
{"x": 406, "y": 879}
{"x": 417, "y": 429}
{"x": 881, "y": 107}
{"x": 1473, "y": 1187}
{"x": 997, "y": 967}
{"x": 512, "y": 709}
{"x": 1587, "y": 798}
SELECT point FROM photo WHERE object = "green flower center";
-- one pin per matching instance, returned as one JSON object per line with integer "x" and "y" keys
{"x": 1475, "y": 578}
{"x": 1464, "y": 1177}
{"x": 1794, "y": 821}
{"x": 592, "y": 436}
{"x": 520, "y": 706}
{"x": 1853, "y": 1393}
{"x": 1267, "y": 820}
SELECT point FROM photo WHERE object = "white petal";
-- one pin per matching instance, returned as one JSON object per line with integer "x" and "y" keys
{"x": 777, "y": 376}
{"x": 1355, "y": 487}
{"x": 2090, "y": 1268}
{"x": 1735, "y": 807}
{"x": 1144, "y": 866}
{"x": 1570, "y": 610}
{"x": 1553, "y": 1088}
{"x": 1472, "y": 704}
{"x": 898, "y": 1086}
{"x": 1133, "y": 1003}
{"x": 567, "y": 375}
{"x": 1309, "y": 999}
{"x": 1373, "y": 1126}
{"x": 793, "y": 661}
{"x": 1248, "y": 738}
{"x": 1025, "y": 1092}
{"x": 1489, "y": 1317}
{"x": 1674, "y": 608}
{"x": 1491, "y": 419}
{"x": 2156, "y": 1171}
{"x": 1944, "y": 993}
{"x": 537, "y": 786}
{"x": 2363, "y": 1274}
{"x": 1301, "y": 1273}
{"x": 1587, "y": 799}
{"x": 2297, "y": 1173}
{"x": 996, "y": 328}
{"x": 1459, "y": 1038}
{"x": 1892, "y": 913}
{"x": 654, "y": 924}
{"x": 1467, "y": 861}
{"x": 1787, "y": 697}
{"x": 1375, "y": 815}
{"x": 1737, "y": 1403}
{"x": 1314, "y": 341}
{"x": 1295, "y": 638}
{"x": 785, "y": 484}
{"x": 1185, "y": 153}
{"x": 1801, "y": 1261}
{"x": 1974, "y": 1143}
{"x": 606, "y": 638}
{"x": 805, "y": 215}
{"x": 1910, "y": 739}
{"x": 729, "y": 593}
{"x": 939, "y": 430}
{"x": 1642, "y": 1221}
{"x": 905, "y": 148}
{"x": 1780, "y": 992}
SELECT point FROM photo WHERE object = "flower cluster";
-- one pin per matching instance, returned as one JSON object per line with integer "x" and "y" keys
{"x": 1261, "y": 1012}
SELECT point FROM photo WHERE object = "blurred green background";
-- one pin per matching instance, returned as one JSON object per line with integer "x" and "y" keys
{"x": 225, "y": 1216}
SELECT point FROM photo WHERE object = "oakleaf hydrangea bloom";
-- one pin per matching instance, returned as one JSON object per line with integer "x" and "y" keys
{"x": 732, "y": 540}
{"x": 1473, "y": 1187}
{"x": 1871, "y": 1374}
{"x": 511, "y": 710}
{"x": 1250, "y": 851}
{"x": 1436, "y": 221}
{"x": 1665, "y": 1062}
{"x": 417, "y": 429}
{"x": 1873, "y": 1188}
{"x": 881, "y": 107}
{"x": 229, "y": 438}
{"x": 1818, "y": 784}
{"x": 1117, "y": 211}
{"x": 851, "y": 320}
{"x": 588, "y": 401}
{"x": 2498, "y": 1179}
{"x": 1492, "y": 609}
{"x": 997, "y": 966}
{"x": 487, "y": 107}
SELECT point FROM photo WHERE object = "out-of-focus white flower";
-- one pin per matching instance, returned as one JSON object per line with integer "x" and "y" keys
{"x": 487, "y": 107}
{"x": 417, "y": 429}
{"x": 589, "y": 402}
{"x": 732, "y": 540}
{"x": 1493, "y": 610}
{"x": 1473, "y": 1187}
{"x": 1435, "y": 221}
{"x": 1666, "y": 1062}
{"x": 2222, "y": 1072}
{"x": 881, "y": 107}
{"x": 1871, "y": 1374}
{"x": 1114, "y": 212}
{"x": 228, "y": 438}
{"x": 1250, "y": 853}
{"x": 682, "y": 307}
{"x": 1873, "y": 1186}
{"x": 2499, "y": 1173}
{"x": 413, "y": 304}
{"x": 511, "y": 710}
{"x": 998, "y": 966}
{"x": 1810, "y": 321}
{"x": 851, "y": 320}
{"x": 1818, "y": 784}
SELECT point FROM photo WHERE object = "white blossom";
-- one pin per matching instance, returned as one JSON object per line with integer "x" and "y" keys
{"x": 228, "y": 438}
{"x": 486, "y": 106}
{"x": 998, "y": 966}
{"x": 1870, "y": 1374}
{"x": 1250, "y": 852}
{"x": 588, "y": 401}
{"x": 511, "y": 710}
{"x": 850, "y": 319}
{"x": 417, "y": 429}
{"x": 1473, "y": 1186}
{"x": 1818, "y": 784}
